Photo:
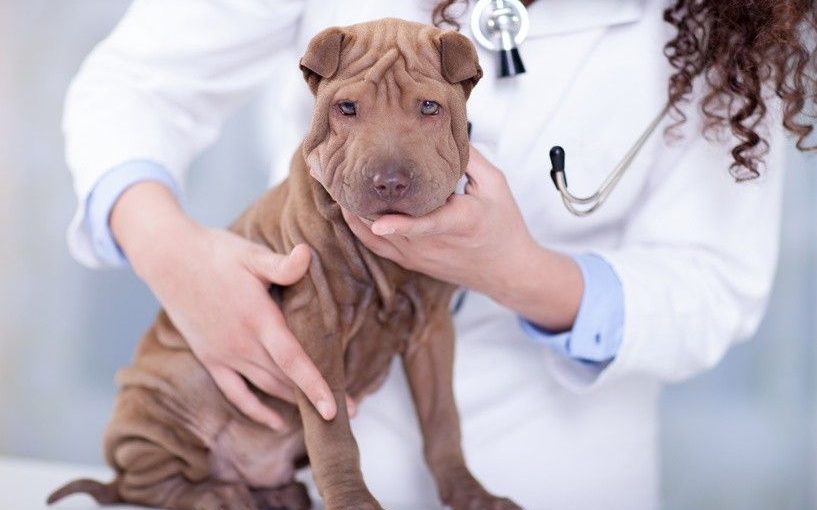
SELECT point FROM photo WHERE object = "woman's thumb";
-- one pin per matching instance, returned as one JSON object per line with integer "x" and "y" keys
{"x": 282, "y": 269}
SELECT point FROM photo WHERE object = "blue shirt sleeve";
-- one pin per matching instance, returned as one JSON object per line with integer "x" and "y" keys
{"x": 598, "y": 330}
{"x": 105, "y": 194}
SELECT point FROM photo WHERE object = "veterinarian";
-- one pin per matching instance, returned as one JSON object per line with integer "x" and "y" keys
{"x": 572, "y": 324}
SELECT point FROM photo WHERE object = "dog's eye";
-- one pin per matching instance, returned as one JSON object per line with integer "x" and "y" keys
{"x": 347, "y": 108}
{"x": 429, "y": 107}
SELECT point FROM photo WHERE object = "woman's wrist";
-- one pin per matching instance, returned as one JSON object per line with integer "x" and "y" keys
{"x": 542, "y": 285}
{"x": 147, "y": 221}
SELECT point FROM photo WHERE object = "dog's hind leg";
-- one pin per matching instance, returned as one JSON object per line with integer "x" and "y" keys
{"x": 160, "y": 462}
{"x": 153, "y": 476}
{"x": 150, "y": 475}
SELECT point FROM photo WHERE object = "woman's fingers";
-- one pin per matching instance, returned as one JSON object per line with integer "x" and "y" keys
{"x": 278, "y": 341}
{"x": 296, "y": 364}
{"x": 455, "y": 217}
{"x": 237, "y": 392}
{"x": 377, "y": 244}
{"x": 276, "y": 387}
{"x": 266, "y": 381}
{"x": 273, "y": 386}
{"x": 279, "y": 269}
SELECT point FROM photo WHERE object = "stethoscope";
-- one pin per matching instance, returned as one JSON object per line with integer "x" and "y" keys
{"x": 501, "y": 26}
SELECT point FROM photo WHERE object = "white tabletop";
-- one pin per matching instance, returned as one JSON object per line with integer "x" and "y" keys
{"x": 25, "y": 484}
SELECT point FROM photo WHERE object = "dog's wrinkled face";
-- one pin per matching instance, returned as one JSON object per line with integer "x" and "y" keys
{"x": 389, "y": 131}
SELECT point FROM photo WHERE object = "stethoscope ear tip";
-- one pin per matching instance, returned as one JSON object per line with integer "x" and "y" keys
{"x": 557, "y": 157}
{"x": 557, "y": 164}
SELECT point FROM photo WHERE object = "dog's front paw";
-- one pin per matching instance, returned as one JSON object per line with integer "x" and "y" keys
{"x": 481, "y": 500}
{"x": 466, "y": 493}
{"x": 356, "y": 506}
{"x": 361, "y": 500}
{"x": 485, "y": 502}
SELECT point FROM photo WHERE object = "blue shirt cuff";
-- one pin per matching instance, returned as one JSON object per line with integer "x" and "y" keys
{"x": 105, "y": 194}
{"x": 599, "y": 327}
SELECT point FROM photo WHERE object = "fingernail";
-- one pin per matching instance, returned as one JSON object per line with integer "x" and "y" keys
{"x": 325, "y": 408}
{"x": 381, "y": 230}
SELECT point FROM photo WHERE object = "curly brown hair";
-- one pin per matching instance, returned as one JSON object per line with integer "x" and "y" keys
{"x": 742, "y": 49}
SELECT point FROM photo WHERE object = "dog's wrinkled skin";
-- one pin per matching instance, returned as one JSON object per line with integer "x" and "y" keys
{"x": 388, "y": 77}
{"x": 175, "y": 442}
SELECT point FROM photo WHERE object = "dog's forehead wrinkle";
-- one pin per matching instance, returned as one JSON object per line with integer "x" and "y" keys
{"x": 419, "y": 48}
{"x": 383, "y": 64}
{"x": 393, "y": 91}
{"x": 373, "y": 52}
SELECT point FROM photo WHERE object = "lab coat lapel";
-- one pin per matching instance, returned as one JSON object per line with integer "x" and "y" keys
{"x": 509, "y": 115}
{"x": 514, "y": 118}
{"x": 551, "y": 17}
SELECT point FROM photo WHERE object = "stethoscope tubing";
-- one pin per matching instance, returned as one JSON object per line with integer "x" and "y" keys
{"x": 597, "y": 199}
{"x": 508, "y": 20}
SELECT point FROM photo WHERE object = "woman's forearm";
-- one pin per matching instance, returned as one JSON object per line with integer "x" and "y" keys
{"x": 143, "y": 220}
{"x": 541, "y": 285}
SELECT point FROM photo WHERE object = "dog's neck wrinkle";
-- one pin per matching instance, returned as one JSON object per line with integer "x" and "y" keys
{"x": 386, "y": 276}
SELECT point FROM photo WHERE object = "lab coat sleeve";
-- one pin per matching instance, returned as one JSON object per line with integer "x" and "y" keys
{"x": 596, "y": 334}
{"x": 104, "y": 195}
{"x": 159, "y": 86}
{"x": 696, "y": 264}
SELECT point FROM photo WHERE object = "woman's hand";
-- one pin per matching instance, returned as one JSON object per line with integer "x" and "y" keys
{"x": 213, "y": 285}
{"x": 479, "y": 240}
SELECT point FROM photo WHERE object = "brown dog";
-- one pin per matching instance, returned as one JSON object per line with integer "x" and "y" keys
{"x": 388, "y": 135}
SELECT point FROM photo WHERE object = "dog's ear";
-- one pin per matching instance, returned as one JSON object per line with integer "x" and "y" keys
{"x": 460, "y": 63}
{"x": 322, "y": 57}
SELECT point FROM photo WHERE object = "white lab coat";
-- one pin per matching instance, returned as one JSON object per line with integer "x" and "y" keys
{"x": 695, "y": 252}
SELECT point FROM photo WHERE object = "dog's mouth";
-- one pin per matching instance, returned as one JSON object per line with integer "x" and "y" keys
{"x": 375, "y": 211}
{"x": 371, "y": 218}
{"x": 390, "y": 211}
{"x": 401, "y": 208}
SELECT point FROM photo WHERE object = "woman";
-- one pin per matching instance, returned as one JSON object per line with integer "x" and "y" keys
{"x": 573, "y": 324}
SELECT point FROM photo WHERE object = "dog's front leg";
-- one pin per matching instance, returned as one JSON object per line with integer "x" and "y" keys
{"x": 428, "y": 362}
{"x": 332, "y": 450}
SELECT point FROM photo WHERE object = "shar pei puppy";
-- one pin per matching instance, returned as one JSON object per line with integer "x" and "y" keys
{"x": 388, "y": 135}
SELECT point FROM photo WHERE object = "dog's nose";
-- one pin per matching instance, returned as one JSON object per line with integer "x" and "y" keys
{"x": 391, "y": 183}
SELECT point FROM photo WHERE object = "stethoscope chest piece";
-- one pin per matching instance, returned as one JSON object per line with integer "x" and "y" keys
{"x": 501, "y": 26}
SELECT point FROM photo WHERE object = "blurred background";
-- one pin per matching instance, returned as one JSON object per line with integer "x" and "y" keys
{"x": 742, "y": 436}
